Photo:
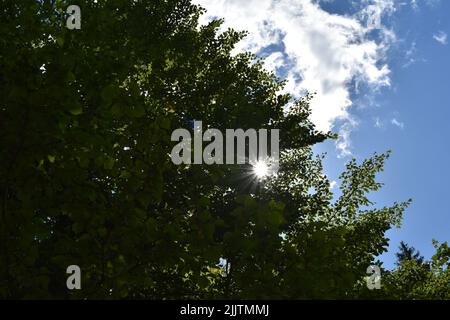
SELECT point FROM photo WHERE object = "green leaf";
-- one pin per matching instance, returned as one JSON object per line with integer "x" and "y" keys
{"x": 108, "y": 163}
{"x": 76, "y": 109}
{"x": 60, "y": 41}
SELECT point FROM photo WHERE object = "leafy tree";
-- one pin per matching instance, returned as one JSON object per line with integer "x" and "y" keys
{"x": 415, "y": 279}
{"x": 407, "y": 253}
{"x": 85, "y": 123}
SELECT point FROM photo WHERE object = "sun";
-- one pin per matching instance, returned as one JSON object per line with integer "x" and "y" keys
{"x": 261, "y": 169}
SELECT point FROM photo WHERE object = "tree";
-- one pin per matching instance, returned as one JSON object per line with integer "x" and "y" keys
{"x": 86, "y": 119}
{"x": 408, "y": 253}
{"x": 415, "y": 279}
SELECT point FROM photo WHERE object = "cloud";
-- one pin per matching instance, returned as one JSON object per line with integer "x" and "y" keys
{"x": 440, "y": 37}
{"x": 432, "y": 3}
{"x": 397, "y": 123}
{"x": 315, "y": 50}
{"x": 378, "y": 123}
{"x": 274, "y": 61}
{"x": 333, "y": 184}
{"x": 412, "y": 56}
{"x": 415, "y": 4}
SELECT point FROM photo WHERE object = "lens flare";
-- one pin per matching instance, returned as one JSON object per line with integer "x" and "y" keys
{"x": 261, "y": 169}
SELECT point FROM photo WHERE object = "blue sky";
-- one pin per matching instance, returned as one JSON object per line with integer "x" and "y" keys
{"x": 419, "y": 100}
{"x": 381, "y": 70}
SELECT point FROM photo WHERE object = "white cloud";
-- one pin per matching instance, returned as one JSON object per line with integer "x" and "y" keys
{"x": 333, "y": 184}
{"x": 440, "y": 37}
{"x": 410, "y": 55}
{"x": 432, "y": 3}
{"x": 414, "y": 5}
{"x": 326, "y": 53}
{"x": 397, "y": 123}
{"x": 344, "y": 143}
{"x": 274, "y": 61}
{"x": 378, "y": 123}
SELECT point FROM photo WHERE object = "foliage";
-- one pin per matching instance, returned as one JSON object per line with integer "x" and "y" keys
{"x": 86, "y": 117}
{"x": 416, "y": 279}
{"x": 408, "y": 253}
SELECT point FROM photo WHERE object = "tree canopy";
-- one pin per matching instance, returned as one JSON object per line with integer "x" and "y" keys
{"x": 86, "y": 177}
